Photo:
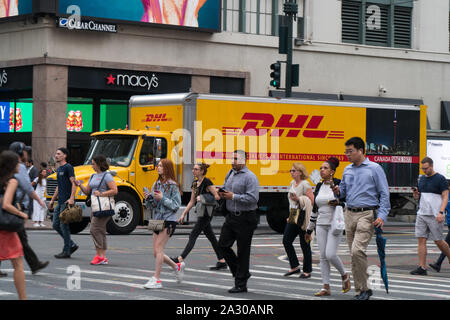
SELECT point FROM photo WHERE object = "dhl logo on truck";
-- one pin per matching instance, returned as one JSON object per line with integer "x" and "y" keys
{"x": 156, "y": 117}
{"x": 284, "y": 123}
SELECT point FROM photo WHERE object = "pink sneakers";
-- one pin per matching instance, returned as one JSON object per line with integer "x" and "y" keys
{"x": 99, "y": 260}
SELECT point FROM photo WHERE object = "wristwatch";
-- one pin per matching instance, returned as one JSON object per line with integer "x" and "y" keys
{"x": 441, "y": 212}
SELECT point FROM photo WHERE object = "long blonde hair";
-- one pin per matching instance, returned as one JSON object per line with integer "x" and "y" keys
{"x": 300, "y": 167}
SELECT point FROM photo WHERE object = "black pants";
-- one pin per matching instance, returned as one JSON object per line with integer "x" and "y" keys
{"x": 239, "y": 229}
{"x": 442, "y": 255}
{"x": 29, "y": 254}
{"x": 202, "y": 224}
{"x": 290, "y": 233}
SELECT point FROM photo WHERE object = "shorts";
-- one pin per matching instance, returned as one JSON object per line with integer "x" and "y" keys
{"x": 169, "y": 226}
{"x": 427, "y": 227}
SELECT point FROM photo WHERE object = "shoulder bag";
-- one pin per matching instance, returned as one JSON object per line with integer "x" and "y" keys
{"x": 9, "y": 221}
{"x": 102, "y": 206}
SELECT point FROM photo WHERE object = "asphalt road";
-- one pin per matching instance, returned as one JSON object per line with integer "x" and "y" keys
{"x": 131, "y": 264}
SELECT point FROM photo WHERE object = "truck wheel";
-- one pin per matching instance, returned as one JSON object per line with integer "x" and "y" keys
{"x": 127, "y": 215}
{"x": 276, "y": 218}
{"x": 77, "y": 227}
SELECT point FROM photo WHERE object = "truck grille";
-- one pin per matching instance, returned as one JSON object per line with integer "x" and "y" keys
{"x": 51, "y": 186}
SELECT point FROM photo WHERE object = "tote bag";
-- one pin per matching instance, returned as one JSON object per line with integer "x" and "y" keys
{"x": 338, "y": 223}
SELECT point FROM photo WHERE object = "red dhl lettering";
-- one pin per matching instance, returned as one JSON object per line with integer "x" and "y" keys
{"x": 259, "y": 124}
{"x": 155, "y": 117}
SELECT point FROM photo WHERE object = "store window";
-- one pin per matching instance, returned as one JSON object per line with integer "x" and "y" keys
{"x": 385, "y": 23}
{"x": 251, "y": 16}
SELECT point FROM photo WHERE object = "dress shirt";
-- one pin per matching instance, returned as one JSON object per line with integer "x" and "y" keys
{"x": 366, "y": 186}
{"x": 245, "y": 186}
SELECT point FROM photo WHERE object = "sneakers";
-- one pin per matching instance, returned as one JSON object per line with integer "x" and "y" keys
{"x": 419, "y": 272}
{"x": 435, "y": 266}
{"x": 153, "y": 283}
{"x": 99, "y": 260}
{"x": 179, "y": 272}
{"x": 36, "y": 225}
{"x": 73, "y": 249}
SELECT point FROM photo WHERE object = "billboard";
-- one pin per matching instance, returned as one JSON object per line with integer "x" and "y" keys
{"x": 198, "y": 14}
{"x": 79, "y": 117}
{"x": 11, "y": 8}
{"x": 439, "y": 151}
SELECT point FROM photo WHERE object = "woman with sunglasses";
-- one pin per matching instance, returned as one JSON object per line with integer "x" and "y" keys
{"x": 299, "y": 187}
{"x": 201, "y": 186}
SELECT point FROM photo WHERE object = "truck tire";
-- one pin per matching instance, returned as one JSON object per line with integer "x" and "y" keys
{"x": 276, "y": 218}
{"x": 77, "y": 227}
{"x": 127, "y": 215}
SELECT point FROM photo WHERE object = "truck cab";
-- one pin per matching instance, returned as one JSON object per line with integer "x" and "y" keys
{"x": 133, "y": 156}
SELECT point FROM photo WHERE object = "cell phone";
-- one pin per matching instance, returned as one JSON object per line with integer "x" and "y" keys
{"x": 222, "y": 190}
{"x": 146, "y": 190}
{"x": 333, "y": 202}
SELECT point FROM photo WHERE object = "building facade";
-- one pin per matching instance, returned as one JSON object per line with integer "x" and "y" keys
{"x": 64, "y": 84}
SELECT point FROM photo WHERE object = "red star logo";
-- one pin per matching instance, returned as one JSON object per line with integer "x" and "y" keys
{"x": 111, "y": 79}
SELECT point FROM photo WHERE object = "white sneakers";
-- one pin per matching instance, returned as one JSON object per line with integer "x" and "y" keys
{"x": 179, "y": 272}
{"x": 153, "y": 283}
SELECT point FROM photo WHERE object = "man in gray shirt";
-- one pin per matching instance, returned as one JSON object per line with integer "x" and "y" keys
{"x": 241, "y": 191}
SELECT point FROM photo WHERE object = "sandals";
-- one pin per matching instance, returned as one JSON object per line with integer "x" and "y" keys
{"x": 346, "y": 285}
{"x": 322, "y": 293}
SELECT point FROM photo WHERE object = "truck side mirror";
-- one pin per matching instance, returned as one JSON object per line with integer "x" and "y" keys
{"x": 157, "y": 146}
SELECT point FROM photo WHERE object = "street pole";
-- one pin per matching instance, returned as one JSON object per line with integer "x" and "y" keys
{"x": 290, "y": 10}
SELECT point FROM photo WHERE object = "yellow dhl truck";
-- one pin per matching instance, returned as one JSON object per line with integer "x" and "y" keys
{"x": 189, "y": 128}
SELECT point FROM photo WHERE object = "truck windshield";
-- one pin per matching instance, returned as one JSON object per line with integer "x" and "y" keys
{"x": 118, "y": 150}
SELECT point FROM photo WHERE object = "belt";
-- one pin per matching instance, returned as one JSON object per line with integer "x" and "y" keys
{"x": 362, "y": 209}
{"x": 238, "y": 213}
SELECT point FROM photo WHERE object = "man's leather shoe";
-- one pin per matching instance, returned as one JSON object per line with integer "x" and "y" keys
{"x": 62, "y": 255}
{"x": 219, "y": 266}
{"x": 41, "y": 266}
{"x": 73, "y": 249}
{"x": 365, "y": 295}
{"x": 237, "y": 290}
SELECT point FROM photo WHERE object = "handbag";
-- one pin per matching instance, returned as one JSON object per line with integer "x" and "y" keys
{"x": 102, "y": 206}
{"x": 338, "y": 223}
{"x": 293, "y": 216}
{"x": 156, "y": 225}
{"x": 72, "y": 213}
{"x": 9, "y": 221}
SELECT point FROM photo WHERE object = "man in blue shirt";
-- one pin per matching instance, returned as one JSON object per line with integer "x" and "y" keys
{"x": 65, "y": 192}
{"x": 365, "y": 189}
{"x": 241, "y": 191}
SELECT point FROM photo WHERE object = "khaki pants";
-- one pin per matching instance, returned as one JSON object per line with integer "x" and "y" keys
{"x": 359, "y": 230}
{"x": 98, "y": 231}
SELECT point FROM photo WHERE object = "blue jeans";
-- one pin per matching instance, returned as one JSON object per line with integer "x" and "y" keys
{"x": 62, "y": 228}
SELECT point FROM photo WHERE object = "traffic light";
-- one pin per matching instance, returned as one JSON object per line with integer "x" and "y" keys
{"x": 275, "y": 74}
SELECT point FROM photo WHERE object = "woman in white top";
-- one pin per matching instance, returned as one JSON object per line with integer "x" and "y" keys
{"x": 40, "y": 184}
{"x": 321, "y": 220}
{"x": 299, "y": 187}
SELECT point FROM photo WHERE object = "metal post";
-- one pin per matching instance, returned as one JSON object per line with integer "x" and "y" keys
{"x": 290, "y": 9}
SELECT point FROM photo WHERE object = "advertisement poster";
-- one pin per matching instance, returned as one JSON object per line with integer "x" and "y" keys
{"x": 11, "y": 8}
{"x": 113, "y": 116}
{"x": 201, "y": 14}
{"x": 24, "y": 117}
{"x": 439, "y": 151}
{"x": 392, "y": 141}
{"x": 79, "y": 118}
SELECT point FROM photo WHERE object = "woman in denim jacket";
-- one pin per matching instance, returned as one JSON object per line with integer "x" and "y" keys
{"x": 167, "y": 201}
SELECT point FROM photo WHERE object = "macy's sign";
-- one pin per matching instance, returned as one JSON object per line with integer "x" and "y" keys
{"x": 126, "y": 80}
{"x": 3, "y": 78}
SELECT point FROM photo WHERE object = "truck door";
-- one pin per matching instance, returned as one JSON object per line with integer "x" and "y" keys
{"x": 152, "y": 150}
